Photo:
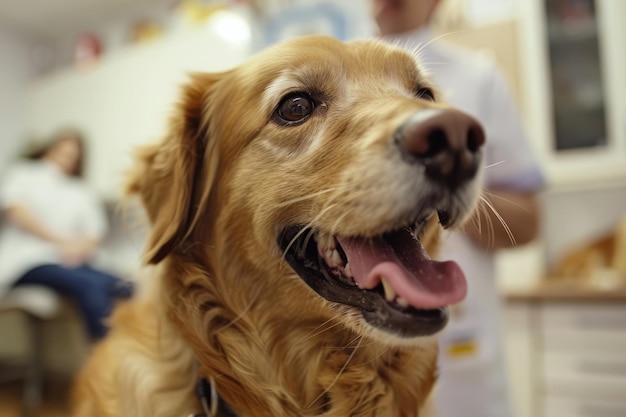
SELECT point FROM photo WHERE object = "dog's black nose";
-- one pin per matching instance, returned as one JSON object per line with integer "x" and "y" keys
{"x": 446, "y": 141}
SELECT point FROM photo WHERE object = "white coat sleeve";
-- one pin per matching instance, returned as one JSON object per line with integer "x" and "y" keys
{"x": 510, "y": 162}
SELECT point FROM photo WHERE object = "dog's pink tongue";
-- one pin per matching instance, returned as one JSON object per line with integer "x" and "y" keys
{"x": 401, "y": 259}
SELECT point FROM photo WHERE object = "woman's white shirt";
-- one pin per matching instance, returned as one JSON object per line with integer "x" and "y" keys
{"x": 63, "y": 204}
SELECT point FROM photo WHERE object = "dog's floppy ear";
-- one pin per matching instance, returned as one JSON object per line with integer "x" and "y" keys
{"x": 174, "y": 178}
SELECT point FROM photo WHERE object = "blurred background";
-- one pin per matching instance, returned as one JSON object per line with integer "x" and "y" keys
{"x": 112, "y": 68}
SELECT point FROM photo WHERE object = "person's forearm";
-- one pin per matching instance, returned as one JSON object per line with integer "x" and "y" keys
{"x": 25, "y": 219}
{"x": 520, "y": 213}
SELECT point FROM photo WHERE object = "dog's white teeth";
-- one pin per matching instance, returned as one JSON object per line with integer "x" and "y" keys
{"x": 348, "y": 271}
{"x": 390, "y": 293}
{"x": 402, "y": 302}
{"x": 336, "y": 259}
{"x": 325, "y": 242}
{"x": 332, "y": 258}
{"x": 419, "y": 226}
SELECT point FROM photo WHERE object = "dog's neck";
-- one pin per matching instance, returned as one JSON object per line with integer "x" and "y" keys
{"x": 268, "y": 365}
{"x": 212, "y": 404}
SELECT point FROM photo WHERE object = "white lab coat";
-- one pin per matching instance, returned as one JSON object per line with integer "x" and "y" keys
{"x": 472, "y": 379}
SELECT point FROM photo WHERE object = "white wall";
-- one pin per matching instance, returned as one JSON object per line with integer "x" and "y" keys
{"x": 16, "y": 69}
{"x": 126, "y": 98}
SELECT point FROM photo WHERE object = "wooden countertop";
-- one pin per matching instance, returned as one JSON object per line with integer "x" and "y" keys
{"x": 567, "y": 290}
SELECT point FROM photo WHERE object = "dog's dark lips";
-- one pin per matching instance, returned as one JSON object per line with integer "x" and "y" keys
{"x": 328, "y": 273}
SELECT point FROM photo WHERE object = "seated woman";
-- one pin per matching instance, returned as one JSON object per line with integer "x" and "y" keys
{"x": 52, "y": 226}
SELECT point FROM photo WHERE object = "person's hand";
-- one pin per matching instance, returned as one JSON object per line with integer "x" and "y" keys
{"x": 75, "y": 252}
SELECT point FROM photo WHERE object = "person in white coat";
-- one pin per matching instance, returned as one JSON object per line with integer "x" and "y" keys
{"x": 53, "y": 224}
{"x": 472, "y": 379}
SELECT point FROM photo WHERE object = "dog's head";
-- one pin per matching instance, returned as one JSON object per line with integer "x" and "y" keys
{"x": 318, "y": 165}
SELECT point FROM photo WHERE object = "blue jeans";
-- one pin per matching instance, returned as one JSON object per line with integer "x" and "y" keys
{"x": 93, "y": 291}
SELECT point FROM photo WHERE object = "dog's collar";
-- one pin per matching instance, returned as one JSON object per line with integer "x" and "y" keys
{"x": 213, "y": 405}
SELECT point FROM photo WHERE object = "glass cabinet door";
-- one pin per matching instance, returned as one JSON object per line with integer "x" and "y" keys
{"x": 576, "y": 75}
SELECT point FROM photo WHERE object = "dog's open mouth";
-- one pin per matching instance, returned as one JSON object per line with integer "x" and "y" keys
{"x": 389, "y": 277}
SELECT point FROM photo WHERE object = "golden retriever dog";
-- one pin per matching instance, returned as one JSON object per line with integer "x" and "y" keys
{"x": 293, "y": 205}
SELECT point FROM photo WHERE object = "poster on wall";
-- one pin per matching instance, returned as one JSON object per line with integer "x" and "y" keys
{"x": 88, "y": 50}
{"x": 305, "y": 19}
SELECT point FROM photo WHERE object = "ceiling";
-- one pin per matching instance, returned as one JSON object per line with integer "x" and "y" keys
{"x": 52, "y": 18}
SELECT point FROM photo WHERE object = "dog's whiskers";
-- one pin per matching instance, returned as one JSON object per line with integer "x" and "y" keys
{"x": 371, "y": 343}
{"x": 499, "y": 217}
{"x": 438, "y": 63}
{"x": 494, "y": 164}
{"x": 305, "y": 197}
{"x": 242, "y": 313}
{"x": 353, "y": 195}
{"x": 297, "y": 236}
{"x": 424, "y": 45}
{"x": 307, "y": 239}
{"x": 339, "y": 220}
{"x": 316, "y": 332}
{"x": 476, "y": 220}
{"x": 358, "y": 337}
{"x": 416, "y": 50}
{"x": 329, "y": 205}
{"x": 508, "y": 200}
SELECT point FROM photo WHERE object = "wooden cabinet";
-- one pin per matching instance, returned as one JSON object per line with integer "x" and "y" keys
{"x": 579, "y": 407}
{"x": 573, "y": 65}
{"x": 574, "y": 364}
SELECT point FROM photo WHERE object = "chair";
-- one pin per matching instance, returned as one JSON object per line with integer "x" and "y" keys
{"x": 37, "y": 304}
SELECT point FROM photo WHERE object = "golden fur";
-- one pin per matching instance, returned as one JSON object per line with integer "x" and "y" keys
{"x": 224, "y": 303}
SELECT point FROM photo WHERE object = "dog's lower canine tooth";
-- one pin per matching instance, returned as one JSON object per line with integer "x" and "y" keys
{"x": 402, "y": 302}
{"x": 390, "y": 293}
{"x": 348, "y": 271}
{"x": 336, "y": 259}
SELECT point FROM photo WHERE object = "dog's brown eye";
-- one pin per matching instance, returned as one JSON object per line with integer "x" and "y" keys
{"x": 295, "y": 108}
{"x": 425, "y": 93}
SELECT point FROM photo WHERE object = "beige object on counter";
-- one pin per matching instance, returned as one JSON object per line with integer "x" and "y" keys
{"x": 603, "y": 261}
{"x": 619, "y": 251}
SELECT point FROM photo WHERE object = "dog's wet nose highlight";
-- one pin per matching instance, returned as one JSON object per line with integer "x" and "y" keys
{"x": 445, "y": 141}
